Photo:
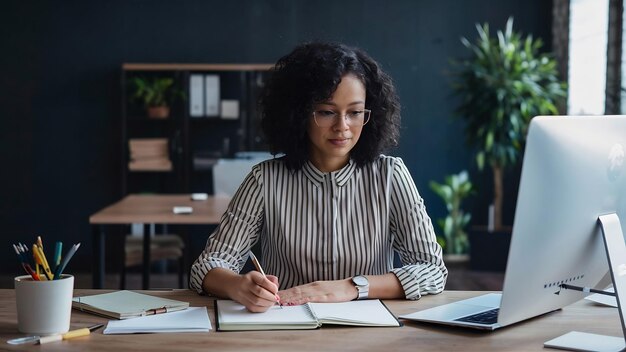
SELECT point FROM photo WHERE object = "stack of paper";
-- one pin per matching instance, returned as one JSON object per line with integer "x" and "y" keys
{"x": 193, "y": 319}
{"x": 149, "y": 154}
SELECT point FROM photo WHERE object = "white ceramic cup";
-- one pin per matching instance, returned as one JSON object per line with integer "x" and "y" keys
{"x": 44, "y": 307}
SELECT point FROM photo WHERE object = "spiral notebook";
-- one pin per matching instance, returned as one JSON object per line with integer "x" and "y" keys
{"x": 232, "y": 316}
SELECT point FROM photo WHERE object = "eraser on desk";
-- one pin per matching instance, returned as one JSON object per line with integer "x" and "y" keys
{"x": 199, "y": 196}
{"x": 182, "y": 210}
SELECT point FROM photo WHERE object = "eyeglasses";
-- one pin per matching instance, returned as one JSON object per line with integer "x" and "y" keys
{"x": 327, "y": 118}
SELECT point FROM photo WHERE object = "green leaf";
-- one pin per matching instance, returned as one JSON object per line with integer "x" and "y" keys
{"x": 453, "y": 191}
{"x": 155, "y": 91}
{"x": 504, "y": 82}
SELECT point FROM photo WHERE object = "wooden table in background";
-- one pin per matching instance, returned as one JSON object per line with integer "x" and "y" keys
{"x": 525, "y": 336}
{"x": 149, "y": 209}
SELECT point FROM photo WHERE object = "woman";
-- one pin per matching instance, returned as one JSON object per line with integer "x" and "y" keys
{"x": 331, "y": 211}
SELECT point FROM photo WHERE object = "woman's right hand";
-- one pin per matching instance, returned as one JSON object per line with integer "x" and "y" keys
{"x": 256, "y": 292}
{"x": 253, "y": 290}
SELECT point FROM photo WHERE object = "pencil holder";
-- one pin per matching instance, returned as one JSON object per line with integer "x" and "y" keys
{"x": 44, "y": 307}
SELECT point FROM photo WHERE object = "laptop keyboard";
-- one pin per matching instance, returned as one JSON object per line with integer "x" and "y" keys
{"x": 487, "y": 317}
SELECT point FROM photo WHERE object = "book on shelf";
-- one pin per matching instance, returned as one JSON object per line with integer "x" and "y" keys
{"x": 149, "y": 154}
{"x": 232, "y": 316}
{"x": 126, "y": 304}
{"x": 150, "y": 165}
{"x": 147, "y": 143}
{"x": 143, "y": 152}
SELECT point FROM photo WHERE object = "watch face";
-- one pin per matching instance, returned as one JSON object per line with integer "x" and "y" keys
{"x": 360, "y": 280}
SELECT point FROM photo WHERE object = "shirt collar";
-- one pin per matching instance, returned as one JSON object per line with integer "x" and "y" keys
{"x": 340, "y": 176}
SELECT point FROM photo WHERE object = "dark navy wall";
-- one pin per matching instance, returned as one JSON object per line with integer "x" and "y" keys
{"x": 60, "y": 90}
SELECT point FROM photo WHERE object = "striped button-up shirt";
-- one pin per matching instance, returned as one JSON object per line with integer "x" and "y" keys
{"x": 328, "y": 226}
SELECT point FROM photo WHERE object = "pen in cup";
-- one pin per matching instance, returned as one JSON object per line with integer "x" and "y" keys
{"x": 257, "y": 265}
{"x": 24, "y": 261}
{"x": 57, "y": 255}
{"x": 66, "y": 259}
{"x": 39, "y": 243}
{"x": 40, "y": 258}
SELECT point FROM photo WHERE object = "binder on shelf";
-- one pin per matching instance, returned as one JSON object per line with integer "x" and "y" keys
{"x": 196, "y": 95}
{"x": 212, "y": 95}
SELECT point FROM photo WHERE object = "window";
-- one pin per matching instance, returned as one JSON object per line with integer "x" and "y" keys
{"x": 589, "y": 23}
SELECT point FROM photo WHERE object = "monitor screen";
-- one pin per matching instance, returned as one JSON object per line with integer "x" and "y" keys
{"x": 573, "y": 171}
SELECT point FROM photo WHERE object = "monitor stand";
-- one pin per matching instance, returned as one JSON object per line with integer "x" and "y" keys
{"x": 616, "y": 255}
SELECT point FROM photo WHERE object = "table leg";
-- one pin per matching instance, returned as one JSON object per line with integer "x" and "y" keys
{"x": 146, "y": 256}
{"x": 98, "y": 256}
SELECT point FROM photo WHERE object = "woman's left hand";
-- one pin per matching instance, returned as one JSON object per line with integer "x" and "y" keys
{"x": 319, "y": 291}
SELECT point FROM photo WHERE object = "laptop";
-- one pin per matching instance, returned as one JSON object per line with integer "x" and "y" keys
{"x": 573, "y": 172}
{"x": 479, "y": 312}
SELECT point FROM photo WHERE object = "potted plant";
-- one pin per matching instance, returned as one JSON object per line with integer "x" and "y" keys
{"x": 453, "y": 191}
{"x": 503, "y": 84}
{"x": 156, "y": 94}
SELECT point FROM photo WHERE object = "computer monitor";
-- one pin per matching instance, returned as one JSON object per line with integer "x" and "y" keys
{"x": 573, "y": 172}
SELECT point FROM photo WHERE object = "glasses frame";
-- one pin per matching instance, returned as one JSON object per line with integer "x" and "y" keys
{"x": 368, "y": 116}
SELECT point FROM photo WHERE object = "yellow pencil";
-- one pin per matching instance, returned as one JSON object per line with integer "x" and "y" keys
{"x": 40, "y": 244}
{"x": 40, "y": 257}
{"x": 69, "y": 335}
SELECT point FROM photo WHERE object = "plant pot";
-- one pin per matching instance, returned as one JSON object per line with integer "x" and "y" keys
{"x": 489, "y": 251}
{"x": 158, "y": 112}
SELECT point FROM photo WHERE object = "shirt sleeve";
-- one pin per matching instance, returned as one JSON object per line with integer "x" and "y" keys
{"x": 424, "y": 271}
{"x": 229, "y": 245}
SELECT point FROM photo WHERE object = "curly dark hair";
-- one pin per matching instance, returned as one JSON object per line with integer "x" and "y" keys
{"x": 310, "y": 74}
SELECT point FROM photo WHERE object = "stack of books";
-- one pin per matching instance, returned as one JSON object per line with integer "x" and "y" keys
{"x": 149, "y": 154}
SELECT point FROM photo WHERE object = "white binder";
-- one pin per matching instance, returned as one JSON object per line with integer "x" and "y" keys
{"x": 196, "y": 95}
{"x": 212, "y": 95}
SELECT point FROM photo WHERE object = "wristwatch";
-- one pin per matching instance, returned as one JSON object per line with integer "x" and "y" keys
{"x": 362, "y": 285}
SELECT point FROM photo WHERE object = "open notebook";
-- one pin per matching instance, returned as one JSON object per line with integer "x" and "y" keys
{"x": 126, "y": 304}
{"x": 231, "y": 315}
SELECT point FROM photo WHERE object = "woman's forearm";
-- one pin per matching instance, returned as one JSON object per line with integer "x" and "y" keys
{"x": 219, "y": 282}
{"x": 385, "y": 286}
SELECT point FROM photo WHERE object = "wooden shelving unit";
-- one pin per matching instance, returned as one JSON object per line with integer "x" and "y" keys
{"x": 189, "y": 138}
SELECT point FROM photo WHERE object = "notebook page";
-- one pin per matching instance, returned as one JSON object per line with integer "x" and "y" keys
{"x": 192, "y": 319}
{"x": 231, "y": 312}
{"x": 366, "y": 313}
